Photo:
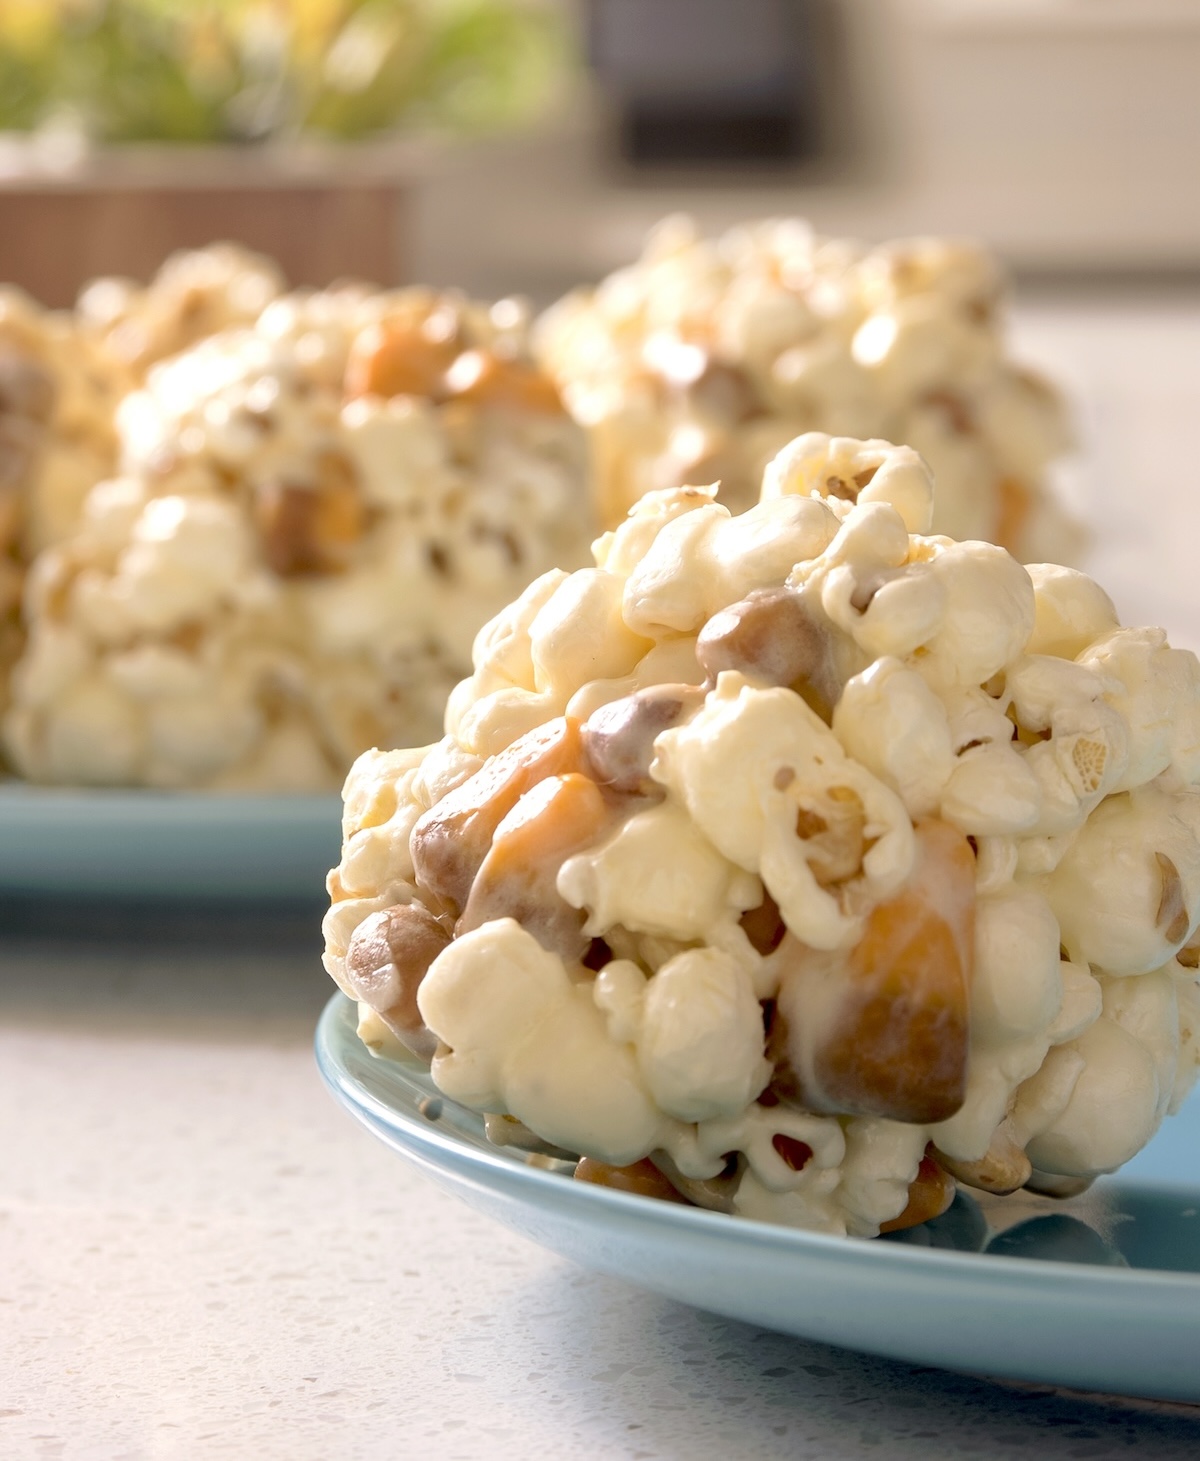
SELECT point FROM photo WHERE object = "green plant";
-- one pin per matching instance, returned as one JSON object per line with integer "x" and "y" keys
{"x": 230, "y": 71}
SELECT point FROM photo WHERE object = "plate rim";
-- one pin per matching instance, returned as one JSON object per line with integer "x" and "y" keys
{"x": 152, "y": 800}
{"x": 427, "y": 1142}
{"x": 148, "y": 844}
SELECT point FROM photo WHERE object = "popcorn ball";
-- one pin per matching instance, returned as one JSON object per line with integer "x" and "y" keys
{"x": 799, "y": 864}
{"x": 313, "y": 517}
{"x": 701, "y": 360}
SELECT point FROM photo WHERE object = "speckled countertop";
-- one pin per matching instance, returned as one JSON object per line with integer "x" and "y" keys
{"x": 201, "y": 1257}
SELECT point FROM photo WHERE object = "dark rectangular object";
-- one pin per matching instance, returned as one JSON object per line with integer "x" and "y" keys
{"x": 708, "y": 81}
{"x": 711, "y": 133}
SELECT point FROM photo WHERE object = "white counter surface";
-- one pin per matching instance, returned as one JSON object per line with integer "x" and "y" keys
{"x": 202, "y": 1257}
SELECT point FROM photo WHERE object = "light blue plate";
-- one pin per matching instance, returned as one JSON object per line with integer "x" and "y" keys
{"x": 1101, "y": 1293}
{"x": 165, "y": 844}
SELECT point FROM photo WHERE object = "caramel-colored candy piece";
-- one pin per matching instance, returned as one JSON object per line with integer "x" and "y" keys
{"x": 484, "y": 379}
{"x": 404, "y": 356}
{"x": 619, "y": 737}
{"x": 772, "y": 636}
{"x": 929, "y": 1195}
{"x": 560, "y": 816}
{"x": 642, "y": 1177}
{"x": 390, "y": 953}
{"x": 883, "y": 1030}
{"x": 311, "y": 529}
{"x": 450, "y": 842}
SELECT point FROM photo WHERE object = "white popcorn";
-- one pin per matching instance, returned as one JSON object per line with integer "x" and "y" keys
{"x": 991, "y": 792}
{"x": 700, "y": 1042}
{"x": 1018, "y": 988}
{"x": 801, "y": 862}
{"x": 701, "y": 360}
{"x": 1112, "y": 1109}
{"x": 987, "y": 617}
{"x": 871, "y": 471}
{"x": 1127, "y": 892}
{"x": 525, "y": 1040}
{"x": 579, "y": 634}
{"x": 892, "y": 722}
{"x": 1070, "y": 611}
{"x": 746, "y": 766}
{"x": 1155, "y": 694}
{"x": 656, "y": 876}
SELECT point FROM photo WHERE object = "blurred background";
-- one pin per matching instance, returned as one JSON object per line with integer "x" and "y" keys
{"x": 526, "y": 146}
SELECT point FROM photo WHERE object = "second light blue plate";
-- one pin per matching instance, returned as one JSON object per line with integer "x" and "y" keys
{"x": 165, "y": 844}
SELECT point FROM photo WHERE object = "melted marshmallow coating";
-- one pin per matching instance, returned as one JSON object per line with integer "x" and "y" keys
{"x": 818, "y": 859}
{"x": 698, "y": 362}
{"x": 312, "y": 518}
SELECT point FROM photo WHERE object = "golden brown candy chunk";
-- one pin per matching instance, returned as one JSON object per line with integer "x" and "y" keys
{"x": 390, "y": 953}
{"x": 560, "y": 816}
{"x": 311, "y": 529}
{"x": 642, "y": 1177}
{"x": 883, "y": 1030}
{"x": 929, "y": 1195}
{"x": 406, "y": 355}
{"x": 484, "y": 379}
{"x": 772, "y": 636}
{"x": 619, "y": 737}
{"x": 450, "y": 842}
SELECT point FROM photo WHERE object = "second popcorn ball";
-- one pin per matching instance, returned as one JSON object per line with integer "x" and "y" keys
{"x": 314, "y": 516}
{"x": 699, "y": 361}
{"x": 797, "y": 864}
